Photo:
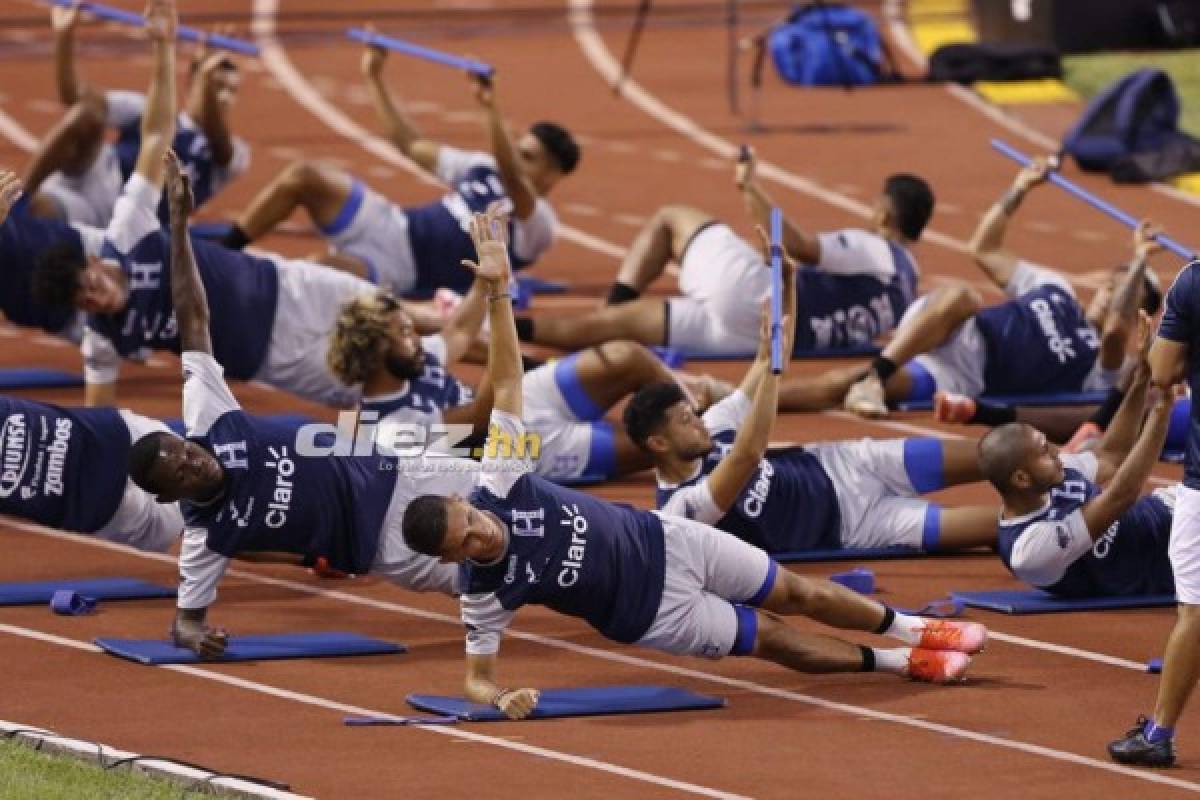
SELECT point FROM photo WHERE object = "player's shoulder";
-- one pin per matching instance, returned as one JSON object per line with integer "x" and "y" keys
{"x": 1187, "y": 281}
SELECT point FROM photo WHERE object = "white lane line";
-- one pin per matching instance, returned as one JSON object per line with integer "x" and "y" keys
{"x": 345, "y": 708}
{"x": 16, "y": 133}
{"x": 275, "y": 59}
{"x": 671, "y": 668}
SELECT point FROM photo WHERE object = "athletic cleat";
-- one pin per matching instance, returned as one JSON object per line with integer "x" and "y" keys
{"x": 956, "y": 409}
{"x": 1135, "y": 749}
{"x": 866, "y": 397}
{"x": 937, "y": 666}
{"x": 946, "y": 634}
{"x": 1086, "y": 437}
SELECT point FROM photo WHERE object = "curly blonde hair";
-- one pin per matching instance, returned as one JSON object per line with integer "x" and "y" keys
{"x": 362, "y": 326}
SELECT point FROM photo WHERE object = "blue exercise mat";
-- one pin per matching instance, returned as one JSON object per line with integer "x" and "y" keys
{"x": 578, "y": 702}
{"x": 255, "y": 648}
{"x": 1056, "y": 399}
{"x": 210, "y": 230}
{"x": 37, "y": 593}
{"x": 537, "y": 285}
{"x": 859, "y": 554}
{"x": 676, "y": 356}
{"x": 1035, "y": 601}
{"x": 37, "y": 378}
{"x": 176, "y": 425}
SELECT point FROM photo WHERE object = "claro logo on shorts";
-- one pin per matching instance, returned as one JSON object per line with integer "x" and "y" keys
{"x": 14, "y": 443}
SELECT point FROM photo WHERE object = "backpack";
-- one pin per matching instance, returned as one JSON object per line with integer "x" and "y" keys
{"x": 827, "y": 44}
{"x": 1137, "y": 114}
{"x": 967, "y": 63}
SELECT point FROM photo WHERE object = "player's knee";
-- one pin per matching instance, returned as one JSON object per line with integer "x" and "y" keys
{"x": 626, "y": 356}
{"x": 960, "y": 302}
{"x": 303, "y": 175}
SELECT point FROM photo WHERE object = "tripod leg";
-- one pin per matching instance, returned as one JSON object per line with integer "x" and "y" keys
{"x": 631, "y": 44}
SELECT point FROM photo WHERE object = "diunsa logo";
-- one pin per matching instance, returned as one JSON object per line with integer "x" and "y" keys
{"x": 14, "y": 438}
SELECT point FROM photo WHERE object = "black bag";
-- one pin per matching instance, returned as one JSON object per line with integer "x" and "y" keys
{"x": 1179, "y": 155}
{"x": 967, "y": 63}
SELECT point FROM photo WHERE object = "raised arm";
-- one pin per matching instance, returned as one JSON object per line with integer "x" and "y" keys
{"x": 63, "y": 21}
{"x": 187, "y": 290}
{"x": 10, "y": 192}
{"x": 1122, "y": 432}
{"x": 520, "y": 190}
{"x": 158, "y": 121}
{"x": 802, "y": 246}
{"x": 1122, "y": 314}
{"x": 398, "y": 127}
{"x": 462, "y": 328}
{"x": 1126, "y": 485}
{"x": 212, "y": 116}
{"x": 987, "y": 243}
{"x": 494, "y": 273}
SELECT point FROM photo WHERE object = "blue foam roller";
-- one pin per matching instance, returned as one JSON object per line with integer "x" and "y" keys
{"x": 859, "y": 579}
{"x": 37, "y": 378}
{"x": 576, "y": 702}
{"x": 849, "y": 554}
{"x": 1036, "y": 601}
{"x": 36, "y": 593}
{"x": 265, "y": 647}
{"x": 1154, "y": 666}
{"x": 71, "y": 604}
{"x": 536, "y": 285}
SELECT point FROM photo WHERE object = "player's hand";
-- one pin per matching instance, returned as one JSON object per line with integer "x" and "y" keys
{"x": 744, "y": 169}
{"x": 489, "y": 233}
{"x": 1144, "y": 242}
{"x": 485, "y": 92}
{"x": 1035, "y": 173}
{"x": 190, "y": 631}
{"x": 373, "y": 57}
{"x": 63, "y": 19}
{"x": 179, "y": 187}
{"x": 162, "y": 20}
{"x": 10, "y": 190}
{"x": 518, "y": 703}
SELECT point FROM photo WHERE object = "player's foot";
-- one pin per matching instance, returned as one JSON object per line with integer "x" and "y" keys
{"x": 937, "y": 666}
{"x": 706, "y": 390}
{"x": 865, "y": 398}
{"x": 1134, "y": 748}
{"x": 947, "y": 634}
{"x": 956, "y": 409}
{"x": 1084, "y": 439}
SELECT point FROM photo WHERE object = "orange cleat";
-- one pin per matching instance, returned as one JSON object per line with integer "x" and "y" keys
{"x": 956, "y": 409}
{"x": 950, "y": 635}
{"x": 937, "y": 666}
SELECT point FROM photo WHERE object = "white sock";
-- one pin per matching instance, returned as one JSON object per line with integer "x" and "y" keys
{"x": 906, "y": 628}
{"x": 893, "y": 660}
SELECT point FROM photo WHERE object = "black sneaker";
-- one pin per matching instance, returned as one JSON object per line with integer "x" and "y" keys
{"x": 1135, "y": 749}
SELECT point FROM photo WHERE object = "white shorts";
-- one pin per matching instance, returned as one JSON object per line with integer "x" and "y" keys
{"x": 1184, "y": 548}
{"x": 377, "y": 234}
{"x": 310, "y": 298}
{"x": 88, "y": 198}
{"x": 878, "y": 503}
{"x": 707, "y": 572}
{"x": 572, "y": 444}
{"x": 140, "y": 520}
{"x": 395, "y": 560}
{"x": 957, "y": 363}
{"x": 724, "y": 283}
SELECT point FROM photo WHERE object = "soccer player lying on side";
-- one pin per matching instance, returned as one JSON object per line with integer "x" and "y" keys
{"x": 249, "y": 489}
{"x": 663, "y": 582}
{"x": 717, "y": 469}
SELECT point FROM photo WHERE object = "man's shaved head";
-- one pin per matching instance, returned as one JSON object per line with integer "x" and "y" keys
{"x": 1003, "y": 451}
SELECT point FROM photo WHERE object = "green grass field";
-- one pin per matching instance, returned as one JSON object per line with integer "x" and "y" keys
{"x": 28, "y": 775}
{"x": 1088, "y": 74}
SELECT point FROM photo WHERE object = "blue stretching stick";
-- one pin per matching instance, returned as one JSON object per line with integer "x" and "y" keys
{"x": 477, "y": 68}
{"x": 776, "y": 291}
{"x": 186, "y": 33}
{"x": 1095, "y": 202}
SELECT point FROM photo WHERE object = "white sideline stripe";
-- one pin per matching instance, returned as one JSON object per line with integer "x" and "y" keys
{"x": 280, "y": 66}
{"x": 88, "y": 752}
{"x": 333, "y": 705}
{"x": 642, "y": 663}
{"x": 16, "y": 133}
{"x": 903, "y": 38}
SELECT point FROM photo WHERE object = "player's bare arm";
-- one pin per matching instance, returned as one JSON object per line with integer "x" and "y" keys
{"x": 797, "y": 243}
{"x": 987, "y": 243}
{"x": 518, "y": 187}
{"x": 187, "y": 290}
{"x": 398, "y": 127}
